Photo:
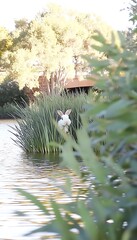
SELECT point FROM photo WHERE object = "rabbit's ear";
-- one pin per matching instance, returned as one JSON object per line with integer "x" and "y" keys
{"x": 68, "y": 112}
{"x": 60, "y": 113}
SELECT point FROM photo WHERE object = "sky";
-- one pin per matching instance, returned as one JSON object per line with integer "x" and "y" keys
{"x": 109, "y": 10}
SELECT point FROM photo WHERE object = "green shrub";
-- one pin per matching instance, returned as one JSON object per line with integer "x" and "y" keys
{"x": 8, "y": 111}
{"x": 10, "y": 93}
{"x": 109, "y": 209}
{"x": 37, "y": 130}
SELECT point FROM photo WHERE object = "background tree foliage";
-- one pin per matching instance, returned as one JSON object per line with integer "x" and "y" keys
{"x": 11, "y": 94}
{"x": 5, "y": 45}
{"x": 131, "y": 34}
{"x": 50, "y": 44}
{"x": 5, "y": 40}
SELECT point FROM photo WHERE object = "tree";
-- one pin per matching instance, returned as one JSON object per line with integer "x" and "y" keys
{"x": 50, "y": 45}
{"x": 10, "y": 93}
{"x": 5, "y": 40}
{"x": 131, "y": 34}
{"x": 5, "y": 45}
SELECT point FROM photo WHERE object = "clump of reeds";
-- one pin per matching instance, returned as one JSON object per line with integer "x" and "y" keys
{"x": 36, "y": 130}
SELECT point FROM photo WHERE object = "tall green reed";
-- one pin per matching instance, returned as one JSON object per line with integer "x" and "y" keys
{"x": 36, "y": 129}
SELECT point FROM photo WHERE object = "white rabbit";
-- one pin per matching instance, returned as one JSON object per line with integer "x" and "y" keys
{"x": 64, "y": 122}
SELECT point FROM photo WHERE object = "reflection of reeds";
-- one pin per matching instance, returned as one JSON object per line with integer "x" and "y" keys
{"x": 36, "y": 129}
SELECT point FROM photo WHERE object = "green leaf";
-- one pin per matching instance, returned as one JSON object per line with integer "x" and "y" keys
{"x": 49, "y": 227}
{"x": 88, "y": 221}
{"x": 89, "y": 157}
{"x": 99, "y": 37}
{"x": 99, "y": 64}
{"x": 133, "y": 221}
{"x": 34, "y": 200}
{"x": 62, "y": 224}
{"x": 117, "y": 108}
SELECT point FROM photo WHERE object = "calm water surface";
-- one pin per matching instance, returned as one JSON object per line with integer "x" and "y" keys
{"x": 40, "y": 175}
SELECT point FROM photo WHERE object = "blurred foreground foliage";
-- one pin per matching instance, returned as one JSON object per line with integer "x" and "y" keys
{"x": 105, "y": 155}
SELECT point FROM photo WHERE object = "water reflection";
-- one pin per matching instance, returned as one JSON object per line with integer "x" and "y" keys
{"x": 38, "y": 174}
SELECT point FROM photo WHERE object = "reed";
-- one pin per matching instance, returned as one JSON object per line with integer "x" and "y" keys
{"x": 36, "y": 129}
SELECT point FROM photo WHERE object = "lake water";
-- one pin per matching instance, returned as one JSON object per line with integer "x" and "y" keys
{"x": 39, "y": 175}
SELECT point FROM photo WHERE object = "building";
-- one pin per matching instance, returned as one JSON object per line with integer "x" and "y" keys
{"x": 75, "y": 84}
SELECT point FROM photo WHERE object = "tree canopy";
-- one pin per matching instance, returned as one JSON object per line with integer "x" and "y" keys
{"x": 5, "y": 40}
{"x": 51, "y": 44}
{"x": 131, "y": 34}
